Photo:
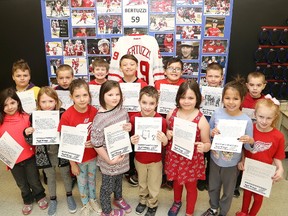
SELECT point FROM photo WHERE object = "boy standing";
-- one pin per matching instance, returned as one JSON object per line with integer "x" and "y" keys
{"x": 100, "y": 71}
{"x": 214, "y": 77}
{"x": 64, "y": 77}
{"x": 148, "y": 164}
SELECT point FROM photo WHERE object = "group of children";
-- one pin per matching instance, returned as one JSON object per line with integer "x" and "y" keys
{"x": 262, "y": 141}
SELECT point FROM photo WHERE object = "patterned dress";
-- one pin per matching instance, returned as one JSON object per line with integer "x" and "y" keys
{"x": 180, "y": 168}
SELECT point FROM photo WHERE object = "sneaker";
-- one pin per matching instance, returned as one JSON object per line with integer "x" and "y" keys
{"x": 173, "y": 211}
{"x": 85, "y": 210}
{"x": 115, "y": 212}
{"x": 133, "y": 181}
{"x": 239, "y": 213}
{"x": 52, "y": 208}
{"x": 27, "y": 209}
{"x": 151, "y": 211}
{"x": 95, "y": 206}
{"x": 140, "y": 208}
{"x": 236, "y": 193}
{"x": 122, "y": 204}
{"x": 43, "y": 203}
{"x": 72, "y": 207}
{"x": 209, "y": 212}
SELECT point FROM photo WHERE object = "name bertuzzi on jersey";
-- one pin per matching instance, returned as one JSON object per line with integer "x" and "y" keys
{"x": 146, "y": 49}
{"x": 137, "y": 10}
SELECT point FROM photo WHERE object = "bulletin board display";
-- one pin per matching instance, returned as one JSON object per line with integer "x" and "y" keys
{"x": 78, "y": 31}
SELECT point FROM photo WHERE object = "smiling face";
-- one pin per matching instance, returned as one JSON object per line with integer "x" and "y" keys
{"x": 186, "y": 52}
{"x": 10, "y": 106}
{"x": 232, "y": 101}
{"x": 148, "y": 105}
{"x": 264, "y": 118}
{"x": 173, "y": 72}
{"x": 21, "y": 78}
{"x": 129, "y": 68}
{"x": 188, "y": 101}
{"x": 100, "y": 73}
{"x": 112, "y": 98}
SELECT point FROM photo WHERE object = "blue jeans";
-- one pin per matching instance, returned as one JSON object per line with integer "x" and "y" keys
{"x": 87, "y": 181}
{"x": 27, "y": 179}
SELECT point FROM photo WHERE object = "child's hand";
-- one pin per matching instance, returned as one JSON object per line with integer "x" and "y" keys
{"x": 214, "y": 132}
{"x": 135, "y": 139}
{"x": 200, "y": 147}
{"x": 75, "y": 169}
{"x": 116, "y": 160}
{"x": 127, "y": 127}
{"x": 29, "y": 130}
{"x": 240, "y": 165}
{"x": 169, "y": 134}
{"x": 162, "y": 137}
{"x": 278, "y": 175}
{"x": 88, "y": 144}
{"x": 246, "y": 139}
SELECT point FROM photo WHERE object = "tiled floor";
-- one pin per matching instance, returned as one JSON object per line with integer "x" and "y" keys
{"x": 11, "y": 202}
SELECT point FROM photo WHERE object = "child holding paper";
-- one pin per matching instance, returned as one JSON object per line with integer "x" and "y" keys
{"x": 82, "y": 113}
{"x": 14, "y": 120}
{"x": 110, "y": 112}
{"x": 148, "y": 164}
{"x": 268, "y": 147}
{"x": 182, "y": 170}
{"x": 214, "y": 77}
{"x": 47, "y": 155}
{"x": 128, "y": 66}
{"x": 223, "y": 165}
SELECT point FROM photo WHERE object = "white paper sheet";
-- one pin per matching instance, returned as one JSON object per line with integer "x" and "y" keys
{"x": 117, "y": 140}
{"x": 94, "y": 91}
{"x": 212, "y": 97}
{"x": 167, "y": 98}
{"x": 257, "y": 177}
{"x": 147, "y": 128}
{"x": 130, "y": 93}
{"x": 10, "y": 150}
{"x": 230, "y": 132}
{"x": 184, "y": 135}
{"x": 45, "y": 124}
{"x": 28, "y": 100}
{"x": 64, "y": 96}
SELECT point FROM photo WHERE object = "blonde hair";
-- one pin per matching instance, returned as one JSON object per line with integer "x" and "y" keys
{"x": 272, "y": 106}
{"x": 50, "y": 92}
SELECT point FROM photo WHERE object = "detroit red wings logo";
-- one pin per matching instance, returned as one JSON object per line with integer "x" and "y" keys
{"x": 260, "y": 146}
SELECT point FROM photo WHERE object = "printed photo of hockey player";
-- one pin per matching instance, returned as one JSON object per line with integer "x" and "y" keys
{"x": 217, "y": 7}
{"x": 84, "y": 32}
{"x": 214, "y": 26}
{"x": 135, "y": 31}
{"x": 187, "y": 2}
{"x": 108, "y": 6}
{"x": 206, "y": 60}
{"x": 188, "y": 32}
{"x": 109, "y": 24}
{"x": 53, "y": 48}
{"x": 190, "y": 70}
{"x": 83, "y": 3}
{"x": 98, "y": 46}
{"x": 54, "y": 64}
{"x": 214, "y": 46}
{"x": 165, "y": 42}
{"x": 79, "y": 65}
{"x": 74, "y": 47}
{"x": 162, "y": 6}
{"x": 59, "y": 28}
{"x": 187, "y": 50}
{"x": 189, "y": 15}
{"x": 57, "y": 8}
{"x": 83, "y": 17}
{"x": 162, "y": 22}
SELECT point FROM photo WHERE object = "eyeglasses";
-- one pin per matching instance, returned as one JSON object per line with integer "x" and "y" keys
{"x": 170, "y": 69}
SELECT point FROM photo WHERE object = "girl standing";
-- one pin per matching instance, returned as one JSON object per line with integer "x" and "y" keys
{"x": 268, "y": 148}
{"x": 223, "y": 165}
{"x": 178, "y": 168}
{"x": 111, "y": 112}
{"x": 47, "y": 155}
{"x": 14, "y": 120}
{"x": 83, "y": 113}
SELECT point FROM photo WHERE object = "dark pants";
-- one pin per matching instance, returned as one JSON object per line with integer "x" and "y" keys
{"x": 27, "y": 179}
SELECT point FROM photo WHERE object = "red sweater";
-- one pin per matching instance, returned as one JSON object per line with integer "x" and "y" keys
{"x": 250, "y": 102}
{"x": 15, "y": 126}
{"x": 166, "y": 81}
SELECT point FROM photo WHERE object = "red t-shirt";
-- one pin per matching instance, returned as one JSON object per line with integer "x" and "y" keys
{"x": 147, "y": 157}
{"x": 268, "y": 145}
{"x": 93, "y": 82}
{"x": 250, "y": 102}
{"x": 166, "y": 81}
{"x": 71, "y": 117}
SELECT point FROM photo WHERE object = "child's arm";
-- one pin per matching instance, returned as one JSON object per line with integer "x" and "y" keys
{"x": 279, "y": 170}
{"x": 240, "y": 164}
{"x": 169, "y": 133}
{"x": 74, "y": 168}
{"x": 205, "y": 144}
{"x": 103, "y": 153}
